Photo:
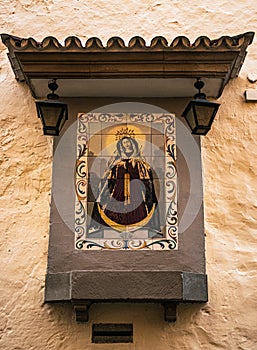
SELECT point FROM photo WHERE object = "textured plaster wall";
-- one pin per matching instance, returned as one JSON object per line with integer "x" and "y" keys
{"x": 228, "y": 321}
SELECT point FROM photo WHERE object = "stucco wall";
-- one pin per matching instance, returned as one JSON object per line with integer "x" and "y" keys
{"x": 228, "y": 321}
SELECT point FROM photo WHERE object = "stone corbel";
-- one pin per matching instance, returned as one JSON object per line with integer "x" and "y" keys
{"x": 81, "y": 311}
{"x": 170, "y": 312}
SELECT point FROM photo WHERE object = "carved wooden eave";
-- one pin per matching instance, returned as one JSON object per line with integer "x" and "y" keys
{"x": 159, "y": 69}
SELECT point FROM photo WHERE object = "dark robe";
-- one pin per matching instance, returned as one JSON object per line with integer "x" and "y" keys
{"x": 127, "y": 200}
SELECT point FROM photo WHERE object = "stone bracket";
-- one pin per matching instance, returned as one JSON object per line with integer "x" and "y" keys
{"x": 81, "y": 311}
{"x": 170, "y": 312}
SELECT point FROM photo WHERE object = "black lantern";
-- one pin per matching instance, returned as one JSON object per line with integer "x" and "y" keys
{"x": 200, "y": 112}
{"x": 52, "y": 112}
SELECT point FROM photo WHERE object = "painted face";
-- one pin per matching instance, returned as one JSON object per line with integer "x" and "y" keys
{"x": 126, "y": 143}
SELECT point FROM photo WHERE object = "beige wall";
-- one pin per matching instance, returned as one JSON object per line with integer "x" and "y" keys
{"x": 228, "y": 321}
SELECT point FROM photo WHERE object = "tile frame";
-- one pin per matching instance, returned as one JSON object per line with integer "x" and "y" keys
{"x": 126, "y": 241}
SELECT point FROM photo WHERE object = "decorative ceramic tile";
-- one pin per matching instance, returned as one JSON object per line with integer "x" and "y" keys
{"x": 126, "y": 182}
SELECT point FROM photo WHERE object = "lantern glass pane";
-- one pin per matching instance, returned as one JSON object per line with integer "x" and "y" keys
{"x": 204, "y": 114}
{"x": 200, "y": 131}
{"x": 51, "y": 131}
{"x": 190, "y": 118}
{"x": 51, "y": 114}
{"x": 63, "y": 117}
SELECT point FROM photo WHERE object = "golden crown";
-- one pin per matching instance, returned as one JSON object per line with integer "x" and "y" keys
{"x": 123, "y": 132}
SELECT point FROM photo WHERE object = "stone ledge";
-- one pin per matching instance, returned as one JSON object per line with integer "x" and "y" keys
{"x": 135, "y": 286}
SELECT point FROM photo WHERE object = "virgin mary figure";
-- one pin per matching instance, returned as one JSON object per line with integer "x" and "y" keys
{"x": 126, "y": 200}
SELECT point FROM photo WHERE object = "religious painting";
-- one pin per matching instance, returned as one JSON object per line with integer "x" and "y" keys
{"x": 125, "y": 182}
